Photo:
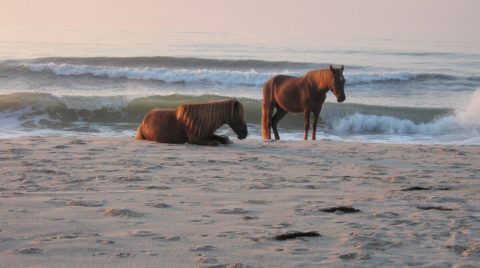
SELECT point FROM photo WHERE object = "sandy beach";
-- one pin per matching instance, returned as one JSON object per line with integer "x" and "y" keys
{"x": 98, "y": 202}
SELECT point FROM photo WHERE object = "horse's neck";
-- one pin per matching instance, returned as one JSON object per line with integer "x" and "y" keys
{"x": 321, "y": 87}
{"x": 223, "y": 121}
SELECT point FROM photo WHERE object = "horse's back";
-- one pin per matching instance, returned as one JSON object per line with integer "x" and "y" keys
{"x": 161, "y": 125}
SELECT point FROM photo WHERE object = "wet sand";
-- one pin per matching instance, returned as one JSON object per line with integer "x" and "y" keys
{"x": 103, "y": 202}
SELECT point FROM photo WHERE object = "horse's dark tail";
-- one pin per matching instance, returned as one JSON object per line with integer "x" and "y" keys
{"x": 139, "y": 135}
{"x": 267, "y": 108}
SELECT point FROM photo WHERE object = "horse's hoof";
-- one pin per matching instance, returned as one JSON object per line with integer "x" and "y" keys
{"x": 226, "y": 140}
{"x": 213, "y": 143}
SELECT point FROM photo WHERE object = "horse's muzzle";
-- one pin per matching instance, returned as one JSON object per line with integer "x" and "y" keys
{"x": 243, "y": 134}
{"x": 341, "y": 98}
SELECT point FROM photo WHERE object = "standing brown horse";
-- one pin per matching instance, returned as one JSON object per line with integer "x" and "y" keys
{"x": 299, "y": 94}
{"x": 193, "y": 123}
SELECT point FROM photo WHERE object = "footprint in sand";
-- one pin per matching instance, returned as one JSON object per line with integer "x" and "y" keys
{"x": 29, "y": 251}
{"x": 80, "y": 142}
{"x": 173, "y": 238}
{"x": 203, "y": 248}
{"x": 206, "y": 259}
{"x": 142, "y": 233}
{"x": 79, "y": 203}
{"x": 65, "y": 236}
{"x": 158, "y": 205}
{"x": 348, "y": 256}
{"x": 386, "y": 214}
{"x": 122, "y": 212}
{"x": 155, "y": 187}
{"x": 105, "y": 242}
{"x": 257, "y": 202}
{"x": 262, "y": 186}
{"x": 232, "y": 211}
{"x": 231, "y": 265}
{"x": 85, "y": 203}
{"x": 123, "y": 255}
{"x": 61, "y": 146}
{"x": 250, "y": 217}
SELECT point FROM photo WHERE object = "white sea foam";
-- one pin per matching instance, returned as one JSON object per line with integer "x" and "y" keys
{"x": 470, "y": 115}
{"x": 466, "y": 121}
{"x": 369, "y": 77}
{"x": 249, "y": 77}
{"x": 169, "y": 75}
{"x": 374, "y": 124}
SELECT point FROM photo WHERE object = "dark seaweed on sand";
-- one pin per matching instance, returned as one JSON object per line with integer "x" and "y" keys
{"x": 444, "y": 188}
{"x": 294, "y": 235}
{"x": 343, "y": 209}
{"x": 434, "y": 208}
{"x": 415, "y": 188}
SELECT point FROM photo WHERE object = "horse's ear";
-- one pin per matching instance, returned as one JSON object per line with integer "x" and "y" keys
{"x": 341, "y": 68}
{"x": 331, "y": 69}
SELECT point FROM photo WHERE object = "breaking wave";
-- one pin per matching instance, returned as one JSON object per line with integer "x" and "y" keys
{"x": 40, "y": 113}
{"x": 203, "y": 71}
{"x": 250, "y": 77}
{"x": 466, "y": 121}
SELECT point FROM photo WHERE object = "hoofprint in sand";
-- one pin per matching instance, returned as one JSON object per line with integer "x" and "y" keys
{"x": 68, "y": 202}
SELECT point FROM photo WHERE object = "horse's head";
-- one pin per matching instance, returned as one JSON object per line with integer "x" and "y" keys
{"x": 338, "y": 83}
{"x": 237, "y": 120}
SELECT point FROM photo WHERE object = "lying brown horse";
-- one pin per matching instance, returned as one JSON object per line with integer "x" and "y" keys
{"x": 299, "y": 94}
{"x": 193, "y": 123}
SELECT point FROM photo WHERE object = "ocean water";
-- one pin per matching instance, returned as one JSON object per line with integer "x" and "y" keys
{"x": 399, "y": 90}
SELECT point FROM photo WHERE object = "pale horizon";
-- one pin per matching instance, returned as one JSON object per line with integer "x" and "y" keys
{"x": 425, "y": 19}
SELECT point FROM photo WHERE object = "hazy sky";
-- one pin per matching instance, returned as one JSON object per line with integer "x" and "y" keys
{"x": 436, "y": 18}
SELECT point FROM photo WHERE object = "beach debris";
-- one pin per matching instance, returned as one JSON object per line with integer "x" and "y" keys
{"x": 434, "y": 208}
{"x": 294, "y": 235}
{"x": 415, "y": 188}
{"x": 344, "y": 209}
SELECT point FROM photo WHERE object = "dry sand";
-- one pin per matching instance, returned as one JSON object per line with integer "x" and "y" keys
{"x": 117, "y": 202}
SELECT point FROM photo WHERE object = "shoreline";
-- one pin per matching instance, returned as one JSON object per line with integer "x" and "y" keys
{"x": 101, "y": 201}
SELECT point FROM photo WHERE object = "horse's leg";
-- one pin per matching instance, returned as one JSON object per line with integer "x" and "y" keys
{"x": 306, "y": 121}
{"x": 222, "y": 139}
{"x": 314, "y": 125}
{"x": 269, "y": 123}
{"x": 202, "y": 141}
{"x": 277, "y": 117}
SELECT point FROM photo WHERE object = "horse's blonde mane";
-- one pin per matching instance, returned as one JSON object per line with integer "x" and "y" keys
{"x": 320, "y": 78}
{"x": 204, "y": 119}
